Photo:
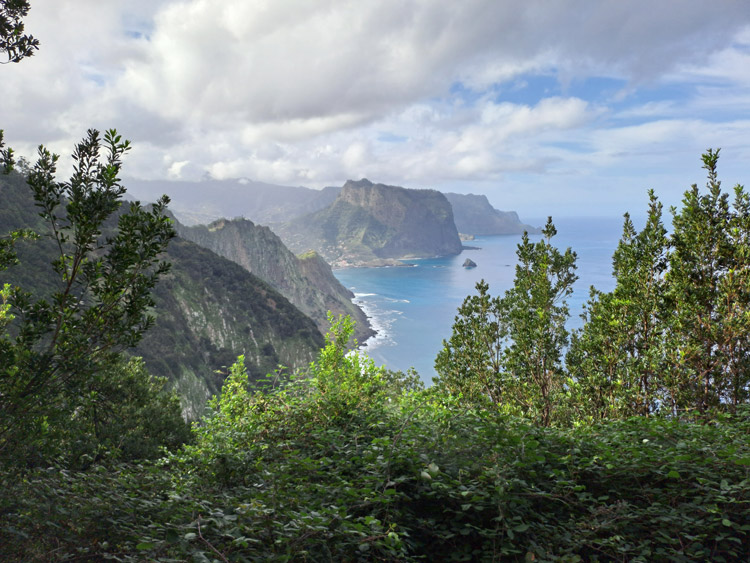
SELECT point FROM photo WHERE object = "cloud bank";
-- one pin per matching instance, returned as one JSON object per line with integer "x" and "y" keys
{"x": 541, "y": 105}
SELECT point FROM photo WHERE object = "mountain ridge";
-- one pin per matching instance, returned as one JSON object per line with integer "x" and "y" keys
{"x": 208, "y": 309}
{"x": 307, "y": 281}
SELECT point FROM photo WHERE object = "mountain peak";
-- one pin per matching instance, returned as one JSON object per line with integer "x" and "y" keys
{"x": 363, "y": 183}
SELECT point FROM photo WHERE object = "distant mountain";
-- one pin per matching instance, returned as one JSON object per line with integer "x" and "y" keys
{"x": 375, "y": 224}
{"x": 474, "y": 215}
{"x": 208, "y": 310}
{"x": 307, "y": 281}
{"x": 203, "y": 202}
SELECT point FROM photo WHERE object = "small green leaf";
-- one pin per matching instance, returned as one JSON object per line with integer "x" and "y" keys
{"x": 673, "y": 474}
{"x": 144, "y": 546}
{"x": 726, "y": 522}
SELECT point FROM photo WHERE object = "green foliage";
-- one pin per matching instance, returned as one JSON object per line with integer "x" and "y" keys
{"x": 57, "y": 345}
{"x": 537, "y": 313}
{"x": 427, "y": 479}
{"x": 509, "y": 350}
{"x": 616, "y": 360}
{"x": 670, "y": 339}
{"x": 125, "y": 414}
{"x": 471, "y": 362}
{"x": 337, "y": 466}
{"x": 13, "y": 41}
{"x": 709, "y": 297}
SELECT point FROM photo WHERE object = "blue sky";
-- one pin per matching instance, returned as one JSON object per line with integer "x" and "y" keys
{"x": 574, "y": 107}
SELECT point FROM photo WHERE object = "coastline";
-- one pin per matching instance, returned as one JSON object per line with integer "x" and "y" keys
{"x": 377, "y": 324}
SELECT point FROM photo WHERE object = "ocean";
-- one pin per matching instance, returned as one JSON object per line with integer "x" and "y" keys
{"x": 413, "y": 308}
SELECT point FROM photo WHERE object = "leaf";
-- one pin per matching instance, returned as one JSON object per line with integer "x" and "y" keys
{"x": 673, "y": 474}
{"x": 145, "y": 546}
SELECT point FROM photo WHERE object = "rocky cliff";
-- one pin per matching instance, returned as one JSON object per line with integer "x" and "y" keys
{"x": 474, "y": 215}
{"x": 307, "y": 281}
{"x": 208, "y": 310}
{"x": 375, "y": 224}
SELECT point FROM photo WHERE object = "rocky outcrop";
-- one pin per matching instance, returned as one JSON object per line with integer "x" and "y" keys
{"x": 474, "y": 215}
{"x": 469, "y": 263}
{"x": 376, "y": 224}
{"x": 307, "y": 281}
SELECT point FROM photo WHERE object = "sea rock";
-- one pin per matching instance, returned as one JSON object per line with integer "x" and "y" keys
{"x": 468, "y": 263}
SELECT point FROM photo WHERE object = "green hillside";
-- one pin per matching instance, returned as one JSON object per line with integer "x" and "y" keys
{"x": 208, "y": 309}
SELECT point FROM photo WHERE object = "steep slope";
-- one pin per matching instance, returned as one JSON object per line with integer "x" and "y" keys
{"x": 307, "y": 281}
{"x": 374, "y": 224}
{"x": 208, "y": 309}
{"x": 202, "y": 202}
{"x": 474, "y": 215}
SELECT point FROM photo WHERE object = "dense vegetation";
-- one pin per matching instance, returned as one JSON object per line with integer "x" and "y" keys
{"x": 671, "y": 339}
{"x": 355, "y": 463}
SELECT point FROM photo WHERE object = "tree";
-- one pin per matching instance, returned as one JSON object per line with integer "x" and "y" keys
{"x": 13, "y": 41}
{"x": 471, "y": 362}
{"x": 538, "y": 311}
{"x": 616, "y": 360}
{"x": 709, "y": 294}
{"x": 509, "y": 350}
{"x": 106, "y": 264}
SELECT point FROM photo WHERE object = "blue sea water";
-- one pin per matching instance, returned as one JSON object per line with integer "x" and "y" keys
{"x": 413, "y": 308}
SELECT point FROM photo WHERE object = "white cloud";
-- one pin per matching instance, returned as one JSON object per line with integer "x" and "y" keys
{"x": 424, "y": 93}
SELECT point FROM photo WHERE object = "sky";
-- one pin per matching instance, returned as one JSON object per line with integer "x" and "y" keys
{"x": 566, "y": 107}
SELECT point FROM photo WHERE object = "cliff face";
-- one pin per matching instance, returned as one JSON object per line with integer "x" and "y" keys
{"x": 306, "y": 281}
{"x": 373, "y": 224}
{"x": 208, "y": 310}
{"x": 474, "y": 215}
